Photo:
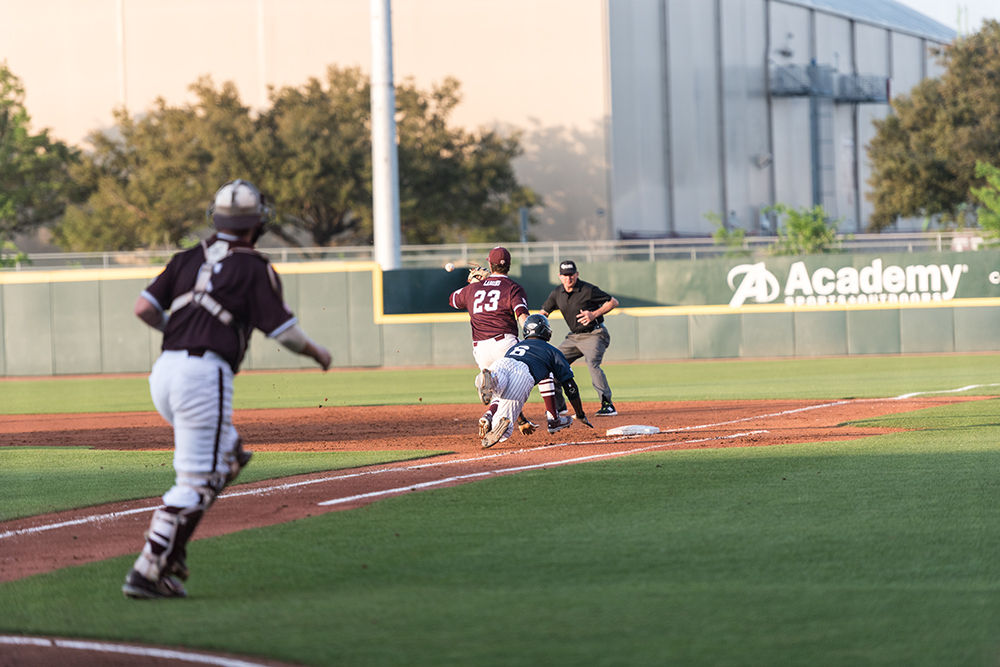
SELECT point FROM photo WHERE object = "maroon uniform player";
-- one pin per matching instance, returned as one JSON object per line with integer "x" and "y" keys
{"x": 497, "y": 307}
{"x": 206, "y": 302}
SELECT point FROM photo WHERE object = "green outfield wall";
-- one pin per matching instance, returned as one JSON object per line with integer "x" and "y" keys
{"x": 80, "y": 321}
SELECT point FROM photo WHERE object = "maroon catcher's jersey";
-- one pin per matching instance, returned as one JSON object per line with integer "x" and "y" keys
{"x": 243, "y": 282}
{"x": 494, "y": 305}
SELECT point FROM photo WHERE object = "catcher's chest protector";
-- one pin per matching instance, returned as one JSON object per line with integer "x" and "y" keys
{"x": 200, "y": 295}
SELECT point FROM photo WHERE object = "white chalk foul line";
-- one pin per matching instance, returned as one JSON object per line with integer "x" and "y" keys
{"x": 289, "y": 485}
{"x": 755, "y": 417}
{"x": 94, "y": 518}
{"x": 967, "y": 387}
{"x": 512, "y": 469}
{"x": 148, "y": 652}
{"x": 98, "y": 518}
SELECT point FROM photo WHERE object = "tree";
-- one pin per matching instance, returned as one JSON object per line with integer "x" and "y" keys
{"x": 805, "y": 231}
{"x": 989, "y": 195}
{"x": 152, "y": 179}
{"x": 453, "y": 185}
{"x": 733, "y": 239}
{"x": 34, "y": 180}
{"x": 317, "y": 169}
{"x": 310, "y": 152}
{"x": 924, "y": 154}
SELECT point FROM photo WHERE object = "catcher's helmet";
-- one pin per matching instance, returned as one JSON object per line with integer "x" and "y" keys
{"x": 238, "y": 206}
{"x": 537, "y": 326}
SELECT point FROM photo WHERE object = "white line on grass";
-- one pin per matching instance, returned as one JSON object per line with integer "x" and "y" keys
{"x": 747, "y": 419}
{"x": 946, "y": 391}
{"x": 534, "y": 466}
{"x": 93, "y": 518}
{"x": 289, "y": 485}
{"x": 147, "y": 652}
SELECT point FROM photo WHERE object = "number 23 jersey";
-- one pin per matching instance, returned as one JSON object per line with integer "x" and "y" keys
{"x": 493, "y": 304}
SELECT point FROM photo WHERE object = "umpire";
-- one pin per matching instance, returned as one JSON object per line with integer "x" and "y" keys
{"x": 583, "y": 306}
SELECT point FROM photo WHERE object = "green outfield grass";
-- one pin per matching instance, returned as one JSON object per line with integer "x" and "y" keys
{"x": 36, "y": 480}
{"x": 660, "y": 381}
{"x": 879, "y": 551}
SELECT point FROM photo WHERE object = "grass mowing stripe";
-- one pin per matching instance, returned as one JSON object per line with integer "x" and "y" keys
{"x": 864, "y": 552}
{"x": 823, "y": 379}
{"x": 36, "y": 480}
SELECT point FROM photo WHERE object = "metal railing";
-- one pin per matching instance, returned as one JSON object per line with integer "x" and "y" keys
{"x": 536, "y": 252}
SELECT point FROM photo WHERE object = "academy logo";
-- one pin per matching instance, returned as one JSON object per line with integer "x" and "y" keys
{"x": 756, "y": 283}
{"x": 871, "y": 284}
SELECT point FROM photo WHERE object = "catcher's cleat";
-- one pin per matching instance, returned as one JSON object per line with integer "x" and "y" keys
{"x": 179, "y": 569}
{"x": 488, "y": 387}
{"x": 237, "y": 460}
{"x": 485, "y": 425}
{"x": 139, "y": 587}
{"x": 559, "y": 423}
{"x": 495, "y": 435}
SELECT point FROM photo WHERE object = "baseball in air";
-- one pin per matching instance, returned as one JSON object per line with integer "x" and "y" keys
{"x": 449, "y": 267}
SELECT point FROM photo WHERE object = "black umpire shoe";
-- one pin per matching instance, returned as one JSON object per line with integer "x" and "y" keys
{"x": 607, "y": 409}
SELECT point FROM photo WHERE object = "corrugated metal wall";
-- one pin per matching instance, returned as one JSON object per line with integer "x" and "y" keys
{"x": 695, "y": 131}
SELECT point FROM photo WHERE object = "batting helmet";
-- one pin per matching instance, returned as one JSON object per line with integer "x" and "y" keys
{"x": 238, "y": 206}
{"x": 537, "y": 326}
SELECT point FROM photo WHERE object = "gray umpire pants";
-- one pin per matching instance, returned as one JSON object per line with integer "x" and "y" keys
{"x": 591, "y": 346}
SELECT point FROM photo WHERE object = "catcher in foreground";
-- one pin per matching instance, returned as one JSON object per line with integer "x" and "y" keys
{"x": 509, "y": 380}
{"x": 206, "y": 302}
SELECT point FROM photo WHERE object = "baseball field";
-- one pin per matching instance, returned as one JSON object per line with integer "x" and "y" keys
{"x": 788, "y": 512}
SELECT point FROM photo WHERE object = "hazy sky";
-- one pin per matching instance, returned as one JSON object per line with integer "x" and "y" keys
{"x": 947, "y": 12}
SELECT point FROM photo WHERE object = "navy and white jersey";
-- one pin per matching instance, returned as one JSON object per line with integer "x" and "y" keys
{"x": 243, "y": 282}
{"x": 541, "y": 359}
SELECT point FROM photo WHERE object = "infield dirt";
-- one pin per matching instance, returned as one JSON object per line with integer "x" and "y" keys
{"x": 46, "y": 542}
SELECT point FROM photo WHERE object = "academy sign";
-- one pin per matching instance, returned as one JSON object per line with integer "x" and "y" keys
{"x": 871, "y": 284}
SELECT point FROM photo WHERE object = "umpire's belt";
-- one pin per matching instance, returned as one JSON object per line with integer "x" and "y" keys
{"x": 596, "y": 327}
{"x": 497, "y": 337}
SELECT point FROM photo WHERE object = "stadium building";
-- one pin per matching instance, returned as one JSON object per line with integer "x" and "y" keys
{"x": 639, "y": 118}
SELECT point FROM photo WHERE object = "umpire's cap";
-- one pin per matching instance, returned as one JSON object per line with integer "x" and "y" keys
{"x": 238, "y": 206}
{"x": 567, "y": 268}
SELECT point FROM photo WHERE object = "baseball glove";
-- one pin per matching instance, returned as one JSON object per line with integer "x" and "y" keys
{"x": 526, "y": 426}
{"x": 477, "y": 274}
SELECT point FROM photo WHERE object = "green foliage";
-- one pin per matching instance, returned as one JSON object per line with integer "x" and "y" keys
{"x": 310, "y": 152}
{"x": 10, "y": 255}
{"x": 34, "y": 180}
{"x": 805, "y": 231}
{"x": 732, "y": 238}
{"x": 152, "y": 179}
{"x": 989, "y": 195}
{"x": 924, "y": 154}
